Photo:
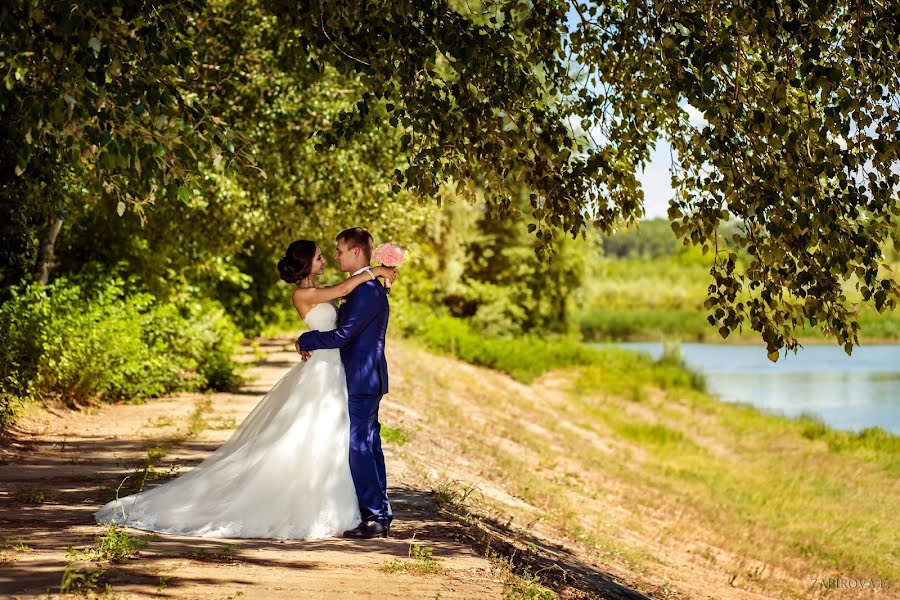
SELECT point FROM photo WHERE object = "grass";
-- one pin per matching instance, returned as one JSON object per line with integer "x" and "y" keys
{"x": 89, "y": 568}
{"x": 16, "y": 543}
{"x": 609, "y": 368}
{"x": 635, "y": 324}
{"x": 164, "y": 582}
{"x": 228, "y": 552}
{"x": 161, "y": 422}
{"x": 623, "y": 324}
{"x": 223, "y": 423}
{"x": 629, "y": 434}
{"x": 663, "y": 449}
{"x": 748, "y": 471}
{"x": 455, "y": 495}
{"x": 114, "y": 545}
{"x": 526, "y": 586}
{"x": 395, "y": 435}
{"x": 197, "y": 420}
{"x": 147, "y": 469}
{"x": 421, "y": 561}
{"x": 514, "y": 568}
{"x": 524, "y": 358}
{"x": 83, "y": 580}
{"x": 34, "y": 495}
{"x": 518, "y": 579}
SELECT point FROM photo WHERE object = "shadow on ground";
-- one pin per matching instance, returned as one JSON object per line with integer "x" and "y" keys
{"x": 50, "y": 489}
{"x": 557, "y": 568}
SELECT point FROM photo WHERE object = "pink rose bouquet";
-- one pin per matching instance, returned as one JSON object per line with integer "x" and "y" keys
{"x": 389, "y": 255}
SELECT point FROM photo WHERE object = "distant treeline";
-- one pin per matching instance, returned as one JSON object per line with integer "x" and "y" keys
{"x": 652, "y": 238}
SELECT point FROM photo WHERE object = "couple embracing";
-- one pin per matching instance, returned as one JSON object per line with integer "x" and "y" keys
{"x": 306, "y": 463}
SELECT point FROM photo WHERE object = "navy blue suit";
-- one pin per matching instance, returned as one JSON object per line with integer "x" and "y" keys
{"x": 361, "y": 327}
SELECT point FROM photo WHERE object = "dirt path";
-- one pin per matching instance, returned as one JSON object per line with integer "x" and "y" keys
{"x": 63, "y": 464}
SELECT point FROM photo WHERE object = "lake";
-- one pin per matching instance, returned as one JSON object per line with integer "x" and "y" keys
{"x": 846, "y": 392}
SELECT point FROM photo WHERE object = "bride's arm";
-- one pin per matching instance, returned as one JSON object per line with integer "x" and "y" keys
{"x": 317, "y": 295}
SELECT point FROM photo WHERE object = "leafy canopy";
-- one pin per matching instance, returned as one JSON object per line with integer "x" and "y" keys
{"x": 544, "y": 104}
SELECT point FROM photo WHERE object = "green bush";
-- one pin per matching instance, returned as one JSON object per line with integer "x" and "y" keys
{"x": 80, "y": 341}
{"x": 200, "y": 336}
{"x": 618, "y": 324}
{"x": 526, "y": 358}
{"x": 626, "y": 373}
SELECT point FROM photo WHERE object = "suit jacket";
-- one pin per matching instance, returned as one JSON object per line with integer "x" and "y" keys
{"x": 361, "y": 326}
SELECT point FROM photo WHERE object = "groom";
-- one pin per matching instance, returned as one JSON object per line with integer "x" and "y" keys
{"x": 361, "y": 326}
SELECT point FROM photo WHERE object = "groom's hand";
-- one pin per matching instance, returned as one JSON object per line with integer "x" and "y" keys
{"x": 304, "y": 354}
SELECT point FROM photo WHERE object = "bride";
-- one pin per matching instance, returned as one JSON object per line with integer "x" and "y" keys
{"x": 285, "y": 472}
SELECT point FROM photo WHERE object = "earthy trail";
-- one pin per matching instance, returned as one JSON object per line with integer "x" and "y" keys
{"x": 61, "y": 465}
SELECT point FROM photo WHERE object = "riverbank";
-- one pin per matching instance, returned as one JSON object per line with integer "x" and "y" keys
{"x": 629, "y": 459}
{"x": 649, "y": 287}
{"x": 821, "y": 382}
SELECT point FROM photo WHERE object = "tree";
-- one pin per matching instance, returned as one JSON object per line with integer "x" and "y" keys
{"x": 484, "y": 268}
{"x": 800, "y": 145}
{"x": 98, "y": 100}
{"x": 225, "y": 174}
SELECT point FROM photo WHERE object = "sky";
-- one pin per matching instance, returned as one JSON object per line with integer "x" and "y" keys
{"x": 655, "y": 180}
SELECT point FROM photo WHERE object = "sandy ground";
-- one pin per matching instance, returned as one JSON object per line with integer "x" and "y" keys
{"x": 74, "y": 458}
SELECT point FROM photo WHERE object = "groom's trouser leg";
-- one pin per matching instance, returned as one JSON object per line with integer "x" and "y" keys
{"x": 382, "y": 473}
{"x": 367, "y": 470}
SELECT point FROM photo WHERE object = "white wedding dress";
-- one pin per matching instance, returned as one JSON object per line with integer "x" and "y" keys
{"x": 284, "y": 474}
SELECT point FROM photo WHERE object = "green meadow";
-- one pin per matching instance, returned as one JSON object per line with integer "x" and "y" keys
{"x": 646, "y": 286}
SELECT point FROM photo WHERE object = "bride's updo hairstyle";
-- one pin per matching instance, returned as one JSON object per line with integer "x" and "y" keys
{"x": 296, "y": 263}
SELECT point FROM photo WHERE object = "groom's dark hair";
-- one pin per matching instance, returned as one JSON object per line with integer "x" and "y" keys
{"x": 357, "y": 237}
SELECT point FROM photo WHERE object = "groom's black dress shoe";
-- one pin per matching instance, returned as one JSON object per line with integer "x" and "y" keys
{"x": 367, "y": 530}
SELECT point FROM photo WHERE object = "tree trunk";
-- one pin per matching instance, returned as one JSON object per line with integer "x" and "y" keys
{"x": 47, "y": 252}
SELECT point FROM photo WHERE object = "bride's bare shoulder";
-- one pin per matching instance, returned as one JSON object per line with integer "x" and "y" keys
{"x": 302, "y": 300}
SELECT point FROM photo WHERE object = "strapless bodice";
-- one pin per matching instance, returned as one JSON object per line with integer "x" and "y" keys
{"x": 321, "y": 317}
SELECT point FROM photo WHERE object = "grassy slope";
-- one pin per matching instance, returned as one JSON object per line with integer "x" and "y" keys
{"x": 653, "y": 478}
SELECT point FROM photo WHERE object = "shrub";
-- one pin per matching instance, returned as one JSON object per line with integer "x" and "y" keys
{"x": 200, "y": 335}
{"x": 526, "y": 358}
{"x": 640, "y": 323}
{"x": 80, "y": 341}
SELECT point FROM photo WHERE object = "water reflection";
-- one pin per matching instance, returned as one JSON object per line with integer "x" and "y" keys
{"x": 846, "y": 392}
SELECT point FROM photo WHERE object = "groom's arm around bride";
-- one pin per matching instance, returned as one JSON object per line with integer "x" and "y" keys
{"x": 360, "y": 332}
